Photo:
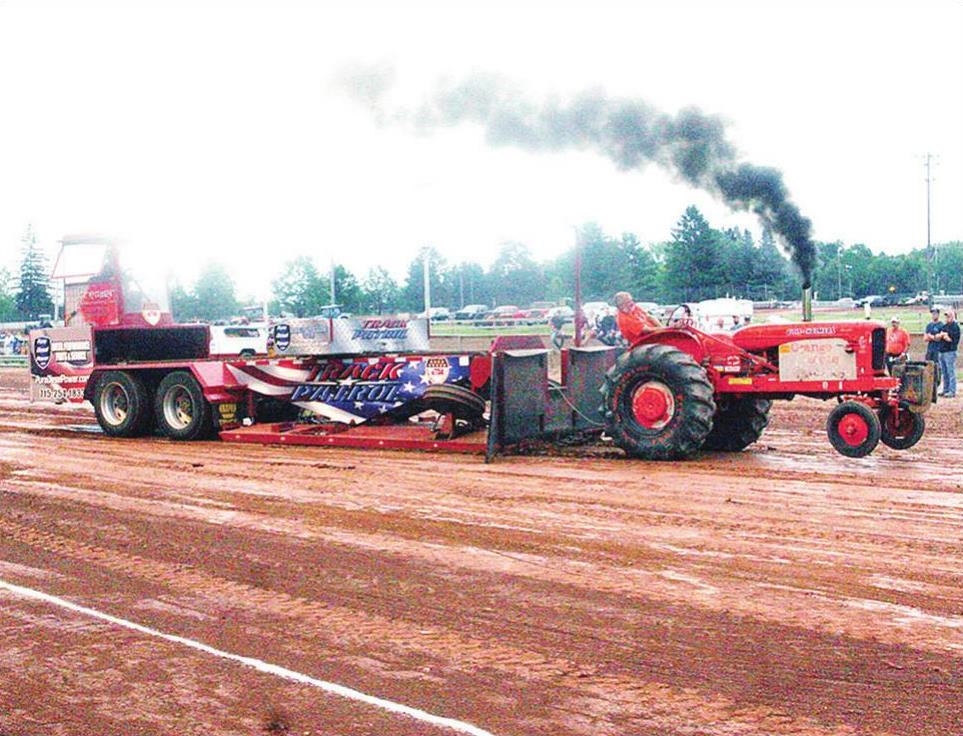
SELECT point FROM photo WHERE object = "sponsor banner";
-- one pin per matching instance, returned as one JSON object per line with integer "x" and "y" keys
{"x": 828, "y": 359}
{"x": 61, "y": 360}
{"x": 355, "y": 390}
{"x": 339, "y": 336}
{"x": 306, "y": 336}
{"x": 367, "y": 389}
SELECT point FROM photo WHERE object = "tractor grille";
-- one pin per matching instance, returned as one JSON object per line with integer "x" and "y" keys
{"x": 879, "y": 349}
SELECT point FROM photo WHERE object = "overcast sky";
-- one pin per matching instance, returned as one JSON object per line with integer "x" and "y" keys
{"x": 206, "y": 130}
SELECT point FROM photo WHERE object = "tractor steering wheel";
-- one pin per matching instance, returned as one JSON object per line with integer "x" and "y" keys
{"x": 681, "y": 320}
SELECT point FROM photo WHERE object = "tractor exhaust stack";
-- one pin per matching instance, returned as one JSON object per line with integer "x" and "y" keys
{"x": 807, "y": 304}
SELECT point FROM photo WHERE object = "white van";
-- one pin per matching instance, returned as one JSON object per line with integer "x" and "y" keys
{"x": 243, "y": 340}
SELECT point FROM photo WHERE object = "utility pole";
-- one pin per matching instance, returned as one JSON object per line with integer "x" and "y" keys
{"x": 334, "y": 299}
{"x": 934, "y": 274}
{"x": 839, "y": 270}
{"x": 461, "y": 286}
{"x": 427, "y": 276}
{"x": 578, "y": 288}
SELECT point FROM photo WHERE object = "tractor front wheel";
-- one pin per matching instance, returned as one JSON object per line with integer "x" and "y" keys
{"x": 658, "y": 403}
{"x": 853, "y": 429}
{"x": 900, "y": 429}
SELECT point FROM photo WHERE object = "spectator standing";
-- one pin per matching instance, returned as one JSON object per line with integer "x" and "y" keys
{"x": 950, "y": 342}
{"x": 897, "y": 343}
{"x": 934, "y": 328}
{"x": 557, "y": 321}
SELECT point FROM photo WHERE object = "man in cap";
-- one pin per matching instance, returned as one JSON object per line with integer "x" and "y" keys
{"x": 934, "y": 328}
{"x": 633, "y": 321}
{"x": 897, "y": 343}
{"x": 949, "y": 341}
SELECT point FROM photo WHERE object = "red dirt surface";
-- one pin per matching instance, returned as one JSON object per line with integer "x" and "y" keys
{"x": 782, "y": 590}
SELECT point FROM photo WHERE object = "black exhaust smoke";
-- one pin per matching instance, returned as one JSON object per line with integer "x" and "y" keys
{"x": 630, "y": 132}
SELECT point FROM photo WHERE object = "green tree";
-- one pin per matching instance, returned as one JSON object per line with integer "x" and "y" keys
{"x": 183, "y": 302}
{"x": 738, "y": 252}
{"x": 214, "y": 293}
{"x": 770, "y": 270}
{"x": 514, "y": 277}
{"x": 8, "y": 302}
{"x": 948, "y": 263}
{"x": 645, "y": 271}
{"x": 606, "y": 267}
{"x": 694, "y": 268}
{"x": 347, "y": 291}
{"x": 470, "y": 285}
{"x": 33, "y": 296}
{"x": 299, "y": 289}
{"x": 413, "y": 293}
{"x": 380, "y": 290}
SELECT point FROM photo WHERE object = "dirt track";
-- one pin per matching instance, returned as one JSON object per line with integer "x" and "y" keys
{"x": 784, "y": 590}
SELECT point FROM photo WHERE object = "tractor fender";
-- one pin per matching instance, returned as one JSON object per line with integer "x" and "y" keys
{"x": 685, "y": 340}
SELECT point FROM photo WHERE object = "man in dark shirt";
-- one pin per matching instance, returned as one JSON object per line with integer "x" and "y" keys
{"x": 934, "y": 328}
{"x": 949, "y": 343}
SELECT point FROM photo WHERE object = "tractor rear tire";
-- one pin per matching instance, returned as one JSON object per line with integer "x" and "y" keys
{"x": 461, "y": 402}
{"x": 181, "y": 409}
{"x": 901, "y": 434}
{"x": 738, "y": 424}
{"x": 657, "y": 403}
{"x": 854, "y": 429}
{"x": 122, "y": 404}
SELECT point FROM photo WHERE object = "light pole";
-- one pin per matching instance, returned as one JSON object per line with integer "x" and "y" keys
{"x": 334, "y": 299}
{"x": 839, "y": 271}
{"x": 427, "y": 285}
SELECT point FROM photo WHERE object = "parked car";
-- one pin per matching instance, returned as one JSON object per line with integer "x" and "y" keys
{"x": 911, "y": 300}
{"x": 332, "y": 311}
{"x": 437, "y": 314}
{"x": 536, "y": 316}
{"x": 874, "y": 300}
{"x": 471, "y": 312}
{"x": 242, "y": 340}
{"x": 892, "y": 300}
{"x": 503, "y": 314}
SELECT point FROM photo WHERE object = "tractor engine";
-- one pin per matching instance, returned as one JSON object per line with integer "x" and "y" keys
{"x": 810, "y": 351}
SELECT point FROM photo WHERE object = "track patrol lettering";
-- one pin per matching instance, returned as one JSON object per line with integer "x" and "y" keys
{"x": 329, "y": 392}
{"x": 381, "y": 329}
{"x": 359, "y": 371}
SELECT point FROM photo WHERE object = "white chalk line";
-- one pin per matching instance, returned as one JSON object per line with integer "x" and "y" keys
{"x": 257, "y": 664}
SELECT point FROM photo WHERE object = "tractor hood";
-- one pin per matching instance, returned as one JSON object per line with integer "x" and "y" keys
{"x": 759, "y": 338}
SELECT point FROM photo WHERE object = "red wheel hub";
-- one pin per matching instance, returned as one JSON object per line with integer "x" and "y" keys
{"x": 853, "y": 429}
{"x": 653, "y": 405}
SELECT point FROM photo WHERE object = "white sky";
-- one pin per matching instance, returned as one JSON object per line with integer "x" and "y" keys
{"x": 203, "y": 131}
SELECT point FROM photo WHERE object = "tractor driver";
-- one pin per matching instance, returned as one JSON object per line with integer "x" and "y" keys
{"x": 897, "y": 343}
{"x": 633, "y": 321}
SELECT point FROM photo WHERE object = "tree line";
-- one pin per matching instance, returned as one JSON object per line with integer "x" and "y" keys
{"x": 697, "y": 262}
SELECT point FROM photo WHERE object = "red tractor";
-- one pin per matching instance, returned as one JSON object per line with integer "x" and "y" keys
{"x": 678, "y": 389}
